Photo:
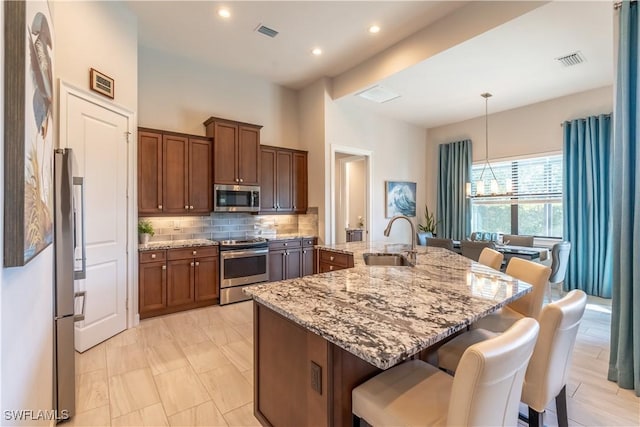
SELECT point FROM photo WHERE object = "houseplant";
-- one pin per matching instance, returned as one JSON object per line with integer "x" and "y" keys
{"x": 145, "y": 231}
{"x": 428, "y": 229}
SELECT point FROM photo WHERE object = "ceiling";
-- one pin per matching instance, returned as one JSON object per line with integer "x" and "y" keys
{"x": 514, "y": 61}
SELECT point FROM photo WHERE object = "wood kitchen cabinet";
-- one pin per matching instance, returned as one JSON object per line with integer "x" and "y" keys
{"x": 308, "y": 256}
{"x": 332, "y": 261}
{"x": 285, "y": 259}
{"x": 236, "y": 151}
{"x": 283, "y": 180}
{"x": 174, "y": 173}
{"x": 177, "y": 279}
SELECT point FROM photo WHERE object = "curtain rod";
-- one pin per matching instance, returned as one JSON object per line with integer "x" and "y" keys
{"x": 606, "y": 115}
{"x": 618, "y": 5}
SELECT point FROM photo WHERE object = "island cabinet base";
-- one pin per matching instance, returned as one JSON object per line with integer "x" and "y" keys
{"x": 301, "y": 379}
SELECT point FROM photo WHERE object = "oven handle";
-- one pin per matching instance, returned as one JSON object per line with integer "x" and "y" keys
{"x": 243, "y": 253}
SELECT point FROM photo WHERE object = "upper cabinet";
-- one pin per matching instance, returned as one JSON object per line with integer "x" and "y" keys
{"x": 236, "y": 151}
{"x": 174, "y": 173}
{"x": 283, "y": 180}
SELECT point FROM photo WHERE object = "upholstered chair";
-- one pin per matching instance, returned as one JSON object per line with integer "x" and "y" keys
{"x": 472, "y": 250}
{"x": 491, "y": 258}
{"x": 440, "y": 243}
{"x": 515, "y": 240}
{"x": 486, "y": 389}
{"x": 559, "y": 261}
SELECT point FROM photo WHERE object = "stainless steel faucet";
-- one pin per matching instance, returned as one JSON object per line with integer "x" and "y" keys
{"x": 412, "y": 252}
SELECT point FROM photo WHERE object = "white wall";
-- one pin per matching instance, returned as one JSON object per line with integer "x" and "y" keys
{"x": 179, "y": 94}
{"x": 533, "y": 129}
{"x": 357, "y": 187}
{"x": 102, "y": 35}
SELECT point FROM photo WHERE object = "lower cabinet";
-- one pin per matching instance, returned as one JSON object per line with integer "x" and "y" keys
{"x": 332, "y": 261}
{"x": 290, "y": 258}
{"x": 177, "y": 279}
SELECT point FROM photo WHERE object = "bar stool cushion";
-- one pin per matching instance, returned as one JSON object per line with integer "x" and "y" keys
{"x": 491, "y": 258}
{"x": 450, "y": 353}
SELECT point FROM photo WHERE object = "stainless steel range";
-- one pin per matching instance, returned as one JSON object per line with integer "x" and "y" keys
{"x": 242, "y": 263}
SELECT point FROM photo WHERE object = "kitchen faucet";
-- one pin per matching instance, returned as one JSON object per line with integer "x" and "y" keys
{"x": 412, "y": 252}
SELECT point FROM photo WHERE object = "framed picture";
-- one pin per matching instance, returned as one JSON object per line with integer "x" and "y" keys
{"x": 101, "y": 83}
{"x": 28, "y": 131}
{"x": 401, "y": 198}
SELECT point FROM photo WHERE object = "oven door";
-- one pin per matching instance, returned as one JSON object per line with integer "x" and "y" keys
{"x": 242, "y": 267}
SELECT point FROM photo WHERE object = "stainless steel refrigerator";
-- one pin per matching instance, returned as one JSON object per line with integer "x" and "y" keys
{"x": 69, "y": 253}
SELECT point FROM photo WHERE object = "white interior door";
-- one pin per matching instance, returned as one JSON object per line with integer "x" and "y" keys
{"x": 98, "y": 137}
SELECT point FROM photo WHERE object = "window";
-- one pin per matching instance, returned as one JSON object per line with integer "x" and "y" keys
{"x": 535, "y": 205}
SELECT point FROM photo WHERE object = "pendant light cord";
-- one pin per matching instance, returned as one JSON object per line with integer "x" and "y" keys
{"x": 486, "y": 97}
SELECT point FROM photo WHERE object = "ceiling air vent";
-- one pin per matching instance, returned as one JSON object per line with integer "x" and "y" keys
{"x": 270, "y": 32}
{"x": 379, "y": 94}
{"x": 571, "y": 59}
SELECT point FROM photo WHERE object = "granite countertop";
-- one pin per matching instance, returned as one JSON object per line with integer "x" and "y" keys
{"x": 285, "y": 236}
{"x": 386, "y": 314}
{"x": 176, "y": 244}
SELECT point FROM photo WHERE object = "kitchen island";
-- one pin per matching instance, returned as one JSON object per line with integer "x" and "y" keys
{"x": 317, "y": 337}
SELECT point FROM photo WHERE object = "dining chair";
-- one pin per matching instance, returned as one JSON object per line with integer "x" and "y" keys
{"x": 559, "y": 261}
{"x": 529, "y": 305}
{"x": 486, "y": 390}
{"x": 473, "y": 250}
{"x": 516, "y": 240}
{"x": 440, "y": 243}
{"x": 548, "y": 369}
{"x": 491, "y": 258}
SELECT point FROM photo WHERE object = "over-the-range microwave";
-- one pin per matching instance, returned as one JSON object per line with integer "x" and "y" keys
{"x": 236, "y": 198}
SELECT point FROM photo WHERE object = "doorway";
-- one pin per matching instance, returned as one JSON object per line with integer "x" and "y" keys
{"x": 350, "y": 201}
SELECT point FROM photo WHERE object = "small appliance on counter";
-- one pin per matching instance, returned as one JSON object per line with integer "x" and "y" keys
{"x": 236, "y": 198}
{"x": 242, "y": 263}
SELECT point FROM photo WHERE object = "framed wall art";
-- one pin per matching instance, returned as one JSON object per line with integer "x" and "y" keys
{"x": 101, "y": 83}
{"x": 400, "y": 198}
{"x": 28, "y": 130}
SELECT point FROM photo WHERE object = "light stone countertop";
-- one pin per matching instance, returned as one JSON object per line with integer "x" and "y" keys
{"x": 386, "y": 314}
{"x": 176, "y": 244}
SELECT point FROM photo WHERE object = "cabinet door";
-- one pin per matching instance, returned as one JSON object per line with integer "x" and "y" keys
{"x": 206, "y": 278}
{"x": 225, "y": 156}
{"x": 276, "y": 265}
{"x": 308, "y": 261}
{"x": 200, "y": 191}
{"x": 180, "y": 282}
{"x": 299, "y": 179}
{"x": 267, "y": 180}
{"x": 249, "y": 155}
{"x": 284, "y": 186}
{"x": 175, "y": 174}
{"x": 152, "y": 286}
{"x": 149, "y": 172}
{"x": 293, "y": 263}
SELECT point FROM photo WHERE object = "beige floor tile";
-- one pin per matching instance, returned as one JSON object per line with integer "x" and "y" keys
{"x": 242, "y": 417}
{"x": 91, "y": 360}
{"x": 180, "y": 389}
{"x": 132, "y": 391}
{"x": 240, "y": 353}
{"x": 92, "y": 390}
{"x": 248, "y": 375}
{"x": 150, "y": 416}
{"x": 207, "y": 316}
{"x": 179, "y": 321}
{"x": 205, "y": 356}
{"x": 599, "y": 398}
{"x": 234, "y": 316}
{"x": 588, "y": 415}
{"x": 155, "y": 334}
{"x": 205, "y": 414}
{"x": 126, "y": 358}
{"x": 93, "y": 417}
{"x": 127, "y": 337}
{"x": 227, "y": 387}
{"x": 189, "y": 336}
{"x": 246, "y": 330}
{"x": 165, "y": 357}
{"x": 629, "y": 395}
{"x": 222, "y": 334}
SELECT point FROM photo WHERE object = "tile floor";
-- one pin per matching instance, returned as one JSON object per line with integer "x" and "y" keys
{"x": 195, "y": 369}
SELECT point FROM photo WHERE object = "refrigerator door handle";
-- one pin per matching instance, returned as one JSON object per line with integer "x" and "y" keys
{"x": 81, "y": 274}
{"x": 83, "y": 295}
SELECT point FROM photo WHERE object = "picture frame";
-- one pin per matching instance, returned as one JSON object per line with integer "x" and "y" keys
{"x": 29, "y": 129}
{"x": 101, "y": 83}
{"x": 400, "y": 198}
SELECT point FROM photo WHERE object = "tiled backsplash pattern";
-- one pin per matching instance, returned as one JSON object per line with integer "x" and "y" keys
{"x": 221, "y": 226}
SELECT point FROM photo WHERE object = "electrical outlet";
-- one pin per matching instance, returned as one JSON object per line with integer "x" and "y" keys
{"x": 176, "y": 226}
{"x": 316, "y": 377}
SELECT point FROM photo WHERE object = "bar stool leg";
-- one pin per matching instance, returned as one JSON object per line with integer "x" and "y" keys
{"x": 561, "y": 408}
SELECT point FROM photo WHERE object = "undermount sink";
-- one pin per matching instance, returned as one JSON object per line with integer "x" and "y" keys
{"x": 386, "y": 260}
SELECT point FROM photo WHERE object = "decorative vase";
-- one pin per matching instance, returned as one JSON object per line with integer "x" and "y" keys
{"x": 422, "y": 237}
{"x": 143, "y": 238}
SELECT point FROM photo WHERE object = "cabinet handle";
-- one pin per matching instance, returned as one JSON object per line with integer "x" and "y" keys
{"x": 304, "y": 252}
{"x": 294, "y": 206}
{"x": 159, "y": 206}
{"x": 153, "y": 256}
{"x": 191, "y": 264}
{"x": 330, "y": 267}
{"x": 286, "y": 244}
{"x": 330, "y": 258}
{"x": 197, "y": 263}
{"x": 195, "y": 252}
{"x": 186, "y": 207}
{"x": 274, "y": 206}
{"x": 241, "y": 180}
{"x": 164, "y": 267}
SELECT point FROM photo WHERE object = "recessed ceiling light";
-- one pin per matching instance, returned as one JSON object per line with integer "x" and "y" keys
{"x": 224, "y": 12}
{"x": 317, "y": 51}
{"x": 379, "y": 94}
{"x": 374, "y": 29}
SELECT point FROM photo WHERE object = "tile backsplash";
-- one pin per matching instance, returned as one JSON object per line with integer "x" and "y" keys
{"x": 221, "y": 226}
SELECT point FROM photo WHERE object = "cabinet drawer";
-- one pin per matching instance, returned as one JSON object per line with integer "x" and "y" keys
{"x": 195, "y": 252}
{"x": 308, "y": 243}
{"x": 325, "y": 267}
{"x": 335, "y": 258}
{"x": 152, "y": 256}
{"x": 284, "y": 244}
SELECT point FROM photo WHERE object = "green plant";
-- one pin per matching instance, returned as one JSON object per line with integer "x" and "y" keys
{"x": 145, "y": 227}
{"x": 430, "y": 222}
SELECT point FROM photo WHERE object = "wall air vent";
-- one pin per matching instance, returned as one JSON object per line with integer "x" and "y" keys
{"x": 269, "y": 32}
{"x": 571, "y": 59}
{"x": 379, "y": 94}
